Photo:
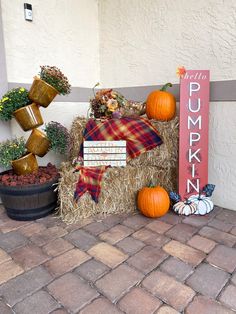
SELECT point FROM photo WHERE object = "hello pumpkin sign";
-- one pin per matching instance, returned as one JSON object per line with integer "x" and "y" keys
{"x": 193, "y": 133}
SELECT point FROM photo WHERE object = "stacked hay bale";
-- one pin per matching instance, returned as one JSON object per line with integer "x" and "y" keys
{"x": 120, "y": 185}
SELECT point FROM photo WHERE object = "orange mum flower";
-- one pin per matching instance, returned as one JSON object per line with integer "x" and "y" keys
{"x": 181, "y": 71}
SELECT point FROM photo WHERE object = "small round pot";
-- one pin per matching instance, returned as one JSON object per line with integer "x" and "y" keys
{"x": 38, "y": 143}
{"x": 28, "y": 117}
{"x": 25, "y": 164}
{"x": 42, "y": 93}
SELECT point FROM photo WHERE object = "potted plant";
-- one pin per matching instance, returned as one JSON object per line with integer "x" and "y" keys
{"x": 14, "y": 153}
{"x": 16, "y": 103}
{"x": 50, "y": 82}
{"x": 59, "y": 137}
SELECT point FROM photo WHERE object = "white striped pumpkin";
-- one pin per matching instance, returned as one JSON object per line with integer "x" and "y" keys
{"x": 203, "y": 203}
{"x": 185, "y": 208}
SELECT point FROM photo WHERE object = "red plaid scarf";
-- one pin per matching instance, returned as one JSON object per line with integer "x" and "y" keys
{"x": 140, "y": 135}
{"x": 89, "y": 180}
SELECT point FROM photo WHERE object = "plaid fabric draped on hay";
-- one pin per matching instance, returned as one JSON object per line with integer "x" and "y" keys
{"x": 140, "y": 135}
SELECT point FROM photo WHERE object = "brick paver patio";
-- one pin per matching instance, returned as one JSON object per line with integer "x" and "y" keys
{"x": 119, "y": 264}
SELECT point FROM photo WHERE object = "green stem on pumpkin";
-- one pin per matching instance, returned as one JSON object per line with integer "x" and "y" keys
{"x": 95, "y": 87}
{"x": 151, "y": 184}
{"x": 163, "y": 89}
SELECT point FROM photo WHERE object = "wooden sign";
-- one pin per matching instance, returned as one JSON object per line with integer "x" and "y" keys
{"x": 193, "y": 133}
{"x": 105, "y": 153}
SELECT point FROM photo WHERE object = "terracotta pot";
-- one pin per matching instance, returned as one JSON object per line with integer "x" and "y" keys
{"x": 42, "y": 93}
{"x": 28, "y": 117}
{"x": 25, "y": 164}
{"x": 38, "y": 143}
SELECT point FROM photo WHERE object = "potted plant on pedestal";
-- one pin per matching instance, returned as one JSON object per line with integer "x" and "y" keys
{"x": 50, "y": 82}
{"x": 16, "y": 103}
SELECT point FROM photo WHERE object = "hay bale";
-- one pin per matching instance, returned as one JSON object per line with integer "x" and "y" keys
{"x": 163, "y": 156}
{"x": 118, "y": 193}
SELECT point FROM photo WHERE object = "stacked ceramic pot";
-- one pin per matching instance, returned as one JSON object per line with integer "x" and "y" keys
{"x": 29, "y": 118}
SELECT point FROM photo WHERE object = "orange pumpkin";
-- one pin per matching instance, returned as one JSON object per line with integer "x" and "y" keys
{"x": 153, "y": 201}
{"x": 161, "y": 105}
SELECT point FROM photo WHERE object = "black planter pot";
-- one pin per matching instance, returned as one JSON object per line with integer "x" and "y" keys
{"x": 29, "y": 202}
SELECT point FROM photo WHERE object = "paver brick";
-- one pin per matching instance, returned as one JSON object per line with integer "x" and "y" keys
{"x": 66, "y": 262}
{"x": 11, "y": 225}
{"x": 176, "y": 268}
{"x": 165, "y": 309}
{"x": 24, "y": 285}
{"x": 115, "y": 234}
{"x": 171, "y": 218}
{"x": 138, "y": 301}
{"x": 59, "y": 311}
{"x": 92, "y": 270}
{"x": 184, "y": 252}
{"x": 4, "y": 256}
{"x": 96, "y": 228}
{"x": 81, "y": 239}
{"x": 118, "y": 281}
{"x": 39, "y": 303}
{"x": 72, "y": 292}
{"x": 218, "y": 236}
{"x": 204, "y": 305}
{"x": 100, "y": 306}
{"x": 48, "y": 235}
{"x": 201, "y": 243}
{"x": 227, "y": 216}
{"x": 4, "y": 308}
{"x": 136, "y": 222}
{"x": 112, "y": 220}
{"x": 169, "y": 290}
{"x": 223, "y": 257}
{"x": 221, "y": 225}
{"x": 31, "y": 229}
{"x": 233, "y": 231}
{"x": 57, "y": 247}
{"x": 150, "y": 237}
{"x": 181, "y": 232}
{"x": 130, "y": 245}
{"x": 12, "y": 240}
{"x": 9, "y": 270}
{"x": 196, "y": 221}
{"x": 159, "y": 226}
{"x": 233, "y": 279}
{"x": 79, "y": 224}
{"x": 147, "y": 259}
{"x": 29, "y": 256}
{"x": 107, "y": 254}
{"x": 228, "y": 297}
{"x": 208, "y": 280}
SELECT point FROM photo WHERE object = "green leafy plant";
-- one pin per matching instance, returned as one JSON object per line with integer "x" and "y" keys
{"x": 11, "y": 150}
{"x": 53, "y": 76}
{"x": 13, "y": 100}
{"x": 59, "y": 137}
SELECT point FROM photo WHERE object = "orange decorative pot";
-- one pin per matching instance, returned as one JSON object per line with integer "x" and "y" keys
{"x": 28, "y": 117}
{"x": 25, "y": 164}
{"x": 38, "y": 143}
{"x": 42, "y": 93}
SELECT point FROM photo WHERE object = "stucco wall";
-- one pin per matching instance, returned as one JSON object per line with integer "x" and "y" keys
{"x": 63, "y": 33}
{"x": 143, "y": 41}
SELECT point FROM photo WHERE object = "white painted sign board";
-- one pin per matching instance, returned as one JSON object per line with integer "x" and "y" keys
{"x": 105, "y": 153}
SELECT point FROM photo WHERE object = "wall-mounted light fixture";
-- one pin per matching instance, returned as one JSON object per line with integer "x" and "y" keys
{"x": 28, "y": 12}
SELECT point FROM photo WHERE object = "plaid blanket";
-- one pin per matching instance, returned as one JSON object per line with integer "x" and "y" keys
{"x": 140, "y": 135}
{"x": 89, "y": 180}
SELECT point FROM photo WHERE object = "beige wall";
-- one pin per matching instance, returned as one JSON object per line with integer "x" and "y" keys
{"x": 142, "y": 42}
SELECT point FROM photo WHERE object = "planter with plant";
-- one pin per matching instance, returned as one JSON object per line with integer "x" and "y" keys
{"x": 50, "y": 82}
{"x": 16, "y": 103}
{"x": 38, "y": 143}
{"x": 13, "y": 153}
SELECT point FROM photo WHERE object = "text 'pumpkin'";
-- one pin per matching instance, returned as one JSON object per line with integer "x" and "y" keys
{"x": 153, "y": 201}
{"x": 161, "y": 105}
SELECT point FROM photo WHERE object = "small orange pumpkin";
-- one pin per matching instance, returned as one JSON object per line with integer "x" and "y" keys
{"x": 153, "y": 201}
{"x": 161, "y": 105}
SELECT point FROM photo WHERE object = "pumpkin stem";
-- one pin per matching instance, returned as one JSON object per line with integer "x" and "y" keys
{"x": 94, "y": 88}
{"x": 163, "y": 89}
{"x": 151, "y": 184}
